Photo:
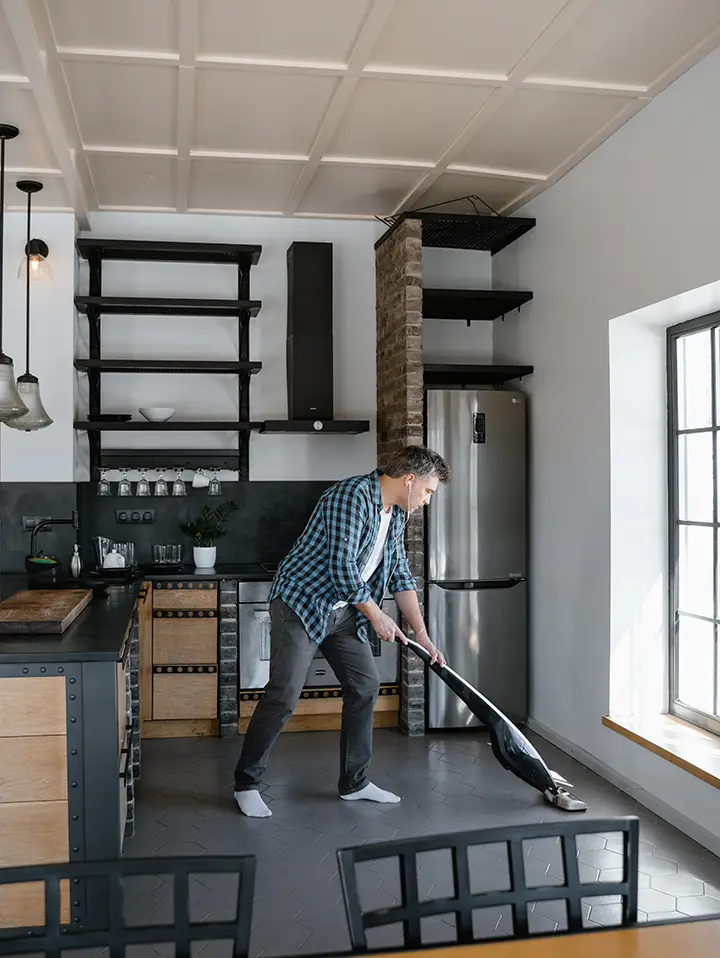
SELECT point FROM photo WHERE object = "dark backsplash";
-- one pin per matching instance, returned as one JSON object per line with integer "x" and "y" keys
{"x": 270, "y": 516}
{"x": 18, "y": 499}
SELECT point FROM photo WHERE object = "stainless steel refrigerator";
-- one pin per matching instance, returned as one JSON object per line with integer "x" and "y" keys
{"x": 476, "y": 593}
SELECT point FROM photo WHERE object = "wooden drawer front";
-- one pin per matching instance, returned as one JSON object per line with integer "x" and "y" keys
{"x": 185, "y": 696}
{"x": 180, "y": 641}
{"x": 23, "y": 905}
{"x": 187, "y": 595}
{"x": 33, "y": 769}
{"x": 33, "y": 833}
{"x": 32, "y": 706}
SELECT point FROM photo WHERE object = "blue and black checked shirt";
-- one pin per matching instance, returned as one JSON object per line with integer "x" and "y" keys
{"x": 325, "y": 565}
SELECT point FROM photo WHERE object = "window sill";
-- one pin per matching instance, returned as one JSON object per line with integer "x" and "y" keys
{"x": 690, "y": 748}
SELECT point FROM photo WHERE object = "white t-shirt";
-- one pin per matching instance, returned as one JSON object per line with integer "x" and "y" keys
{"x": 375, "y": 557}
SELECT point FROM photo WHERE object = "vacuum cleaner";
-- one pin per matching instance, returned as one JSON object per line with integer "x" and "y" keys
{"x": 510, "y": 747}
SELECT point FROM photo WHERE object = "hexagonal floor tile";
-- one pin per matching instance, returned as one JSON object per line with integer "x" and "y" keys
{"x": 680, "y": 886}
{"x": 651, "y": 901}
{"x": 600, "y": 858}
{"x": 656, "y": 865}
{"x": 617, "y": 874}
{"x": 695, "y": 907}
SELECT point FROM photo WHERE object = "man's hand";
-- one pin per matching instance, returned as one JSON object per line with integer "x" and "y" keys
{"x": 386, "y": 628}
{"x": 423, "y": 639}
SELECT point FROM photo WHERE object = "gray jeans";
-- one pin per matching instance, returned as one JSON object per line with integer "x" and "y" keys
{"x": 291, "y": 652}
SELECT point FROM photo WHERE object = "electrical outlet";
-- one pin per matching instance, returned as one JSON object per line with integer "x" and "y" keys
{"x": 134, "y": 516}
{"x": 29, "y": 522}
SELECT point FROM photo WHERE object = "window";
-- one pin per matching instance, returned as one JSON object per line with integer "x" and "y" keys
{"x": 694, "y": 483}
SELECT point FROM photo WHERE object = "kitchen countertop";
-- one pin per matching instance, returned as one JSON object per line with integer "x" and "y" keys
{"x": 247, "y": 571}
{"x": 97, "y": 635}
{"x": 99, "y": 631}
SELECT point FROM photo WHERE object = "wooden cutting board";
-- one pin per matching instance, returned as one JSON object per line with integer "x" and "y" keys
{"x": 42, "y": 610}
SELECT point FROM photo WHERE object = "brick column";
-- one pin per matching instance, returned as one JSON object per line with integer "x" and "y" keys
{"x": 398, "y": 274}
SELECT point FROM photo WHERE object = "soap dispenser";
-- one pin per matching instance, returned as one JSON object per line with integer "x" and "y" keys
{"x": 75, "y": 563}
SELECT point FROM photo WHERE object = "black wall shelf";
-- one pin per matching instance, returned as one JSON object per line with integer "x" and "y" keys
{"x": 172, "y": 425}
{"x": 349, "y": 427}
{"x": 162, "y": 306}
{"x": 229, "y": 367}
{"x": 173, "y": 458}
{"x": 465, "y": 230}
{"x": 438, "y": 375}
{"x": 154, "y": 251}
{"x": 95, "y": 305}
{"x": 482, "y": 305}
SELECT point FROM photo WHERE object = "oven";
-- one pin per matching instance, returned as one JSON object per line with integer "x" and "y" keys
{"x": 254, "y": 639}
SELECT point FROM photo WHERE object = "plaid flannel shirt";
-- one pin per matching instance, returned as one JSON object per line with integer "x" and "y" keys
{"x": 325, "y": 565}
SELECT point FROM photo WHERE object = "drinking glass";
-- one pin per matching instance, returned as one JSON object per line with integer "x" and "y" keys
{"x": 124, "y": 486}
{"x": 215, "y": 486}
{"x": 178, "y": 488}
{"x": 143, "y": 486}
{"x": 104, "y": 488}
{"x": 161, "y": 488}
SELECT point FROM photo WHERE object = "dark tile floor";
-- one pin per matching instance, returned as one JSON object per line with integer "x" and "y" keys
{"x": 448, "y": 783}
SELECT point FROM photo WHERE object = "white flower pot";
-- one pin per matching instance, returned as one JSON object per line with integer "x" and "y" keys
{"x": 204, "y": 556}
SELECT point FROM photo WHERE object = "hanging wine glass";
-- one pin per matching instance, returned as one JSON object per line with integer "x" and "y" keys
{"x": 161, "y": 488}
{"x": 143, "y": 486}
{"x": 124, "y": 486}
{"x": 215, "y": 486}
{"x": 104, "y": 488}
{"x": 178, "y": 488}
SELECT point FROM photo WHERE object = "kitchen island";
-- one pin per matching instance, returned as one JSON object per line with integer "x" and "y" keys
{"x": 69, "y": 745}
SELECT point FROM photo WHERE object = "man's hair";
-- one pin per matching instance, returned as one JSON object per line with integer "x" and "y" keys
{"x": 418, "y": 460}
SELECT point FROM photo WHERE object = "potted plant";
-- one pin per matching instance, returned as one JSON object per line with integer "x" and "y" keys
{"x": 205, "y": 530}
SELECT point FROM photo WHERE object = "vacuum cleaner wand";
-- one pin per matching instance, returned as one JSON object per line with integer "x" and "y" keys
{"x": 510, "y": 747}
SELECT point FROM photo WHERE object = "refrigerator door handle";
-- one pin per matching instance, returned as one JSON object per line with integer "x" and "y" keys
{"x": 466, "y": 585}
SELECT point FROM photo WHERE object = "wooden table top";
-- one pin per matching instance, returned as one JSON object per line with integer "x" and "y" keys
{"x": 691, "y": 939}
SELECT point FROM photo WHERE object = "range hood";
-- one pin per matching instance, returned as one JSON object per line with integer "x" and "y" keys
{"x": 309, "y": 349}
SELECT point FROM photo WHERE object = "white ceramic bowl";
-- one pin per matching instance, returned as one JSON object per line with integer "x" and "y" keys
{"x": 157, "y": 413}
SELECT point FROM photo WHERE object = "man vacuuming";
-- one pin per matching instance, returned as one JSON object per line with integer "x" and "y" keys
{"x": 326, "y": 591}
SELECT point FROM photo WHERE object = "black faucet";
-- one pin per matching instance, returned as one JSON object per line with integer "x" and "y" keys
{"x": 46, "y": 523}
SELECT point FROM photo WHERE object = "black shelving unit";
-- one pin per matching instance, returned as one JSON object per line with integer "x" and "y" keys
{"x": 231, "y": 367}
{"x": 172, "y": 425}
{"x": 167, "y": 251}
{"x": 95, "y": 305}
{"x": 163, "y": 306}
{"x": 171, "y": 459}
{"x": 465, "y": 230}
{"x": 471, "y": 305}
{"x": 437, "y": 375}
{"x": 348, "y": 427}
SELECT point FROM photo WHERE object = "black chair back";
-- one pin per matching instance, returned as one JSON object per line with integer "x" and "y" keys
{"x": 411, "y": 910}
{"x": 105, "y": 925}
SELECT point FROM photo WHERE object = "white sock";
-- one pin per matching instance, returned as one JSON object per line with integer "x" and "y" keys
{"x": 251, "y": 804}
{"x": 373, "y": 794}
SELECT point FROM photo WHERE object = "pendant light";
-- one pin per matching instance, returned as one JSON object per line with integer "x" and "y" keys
{"x": 11, "y": 405}
{"x": 28, "y": 385}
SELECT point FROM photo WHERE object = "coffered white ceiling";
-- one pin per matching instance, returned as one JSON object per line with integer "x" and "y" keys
{"x": 326, "y": 107}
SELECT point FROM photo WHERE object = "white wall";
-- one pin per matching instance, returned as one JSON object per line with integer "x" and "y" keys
{"x": 196, "y": 397}
{"x": 634, "y": 224}
{"x": 451, "y": 340}
{"x": 46, "y": 455}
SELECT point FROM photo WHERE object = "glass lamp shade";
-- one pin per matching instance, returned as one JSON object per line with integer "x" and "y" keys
{"x": 40, "y": 272}
{"x": 11, "y": 404}
{"x": 36, "y": 417}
